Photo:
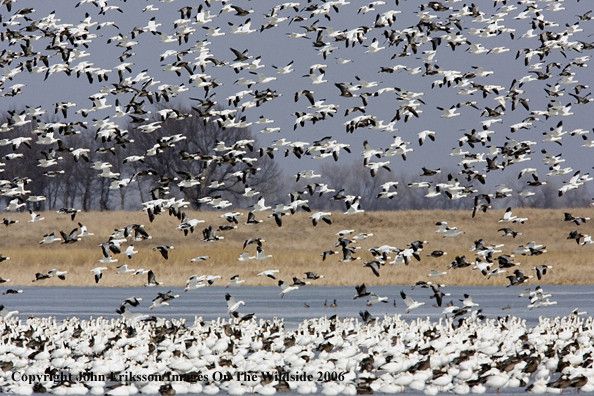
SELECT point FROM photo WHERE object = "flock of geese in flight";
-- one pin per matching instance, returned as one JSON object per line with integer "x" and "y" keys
{"x": 52, "y": 46}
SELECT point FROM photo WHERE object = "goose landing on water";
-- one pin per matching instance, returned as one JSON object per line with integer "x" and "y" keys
{"x": 6, "y": 313}
{"x": 286, "y": 288}
{"x": 232, "y": 305}
{"x": 410, "y": 303}
{"x": 376, "y": 299}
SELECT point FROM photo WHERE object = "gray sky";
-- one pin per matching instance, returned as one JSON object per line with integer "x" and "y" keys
{"x": 275, "y": 48}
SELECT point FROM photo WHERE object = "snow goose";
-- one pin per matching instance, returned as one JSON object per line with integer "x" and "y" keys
{"x": 541, "y": 270}
{"x": 98, "y": 273}
{"x": 123, "y": 269}
{"x": 164, "y": 250}
{"x": 376, "y": 299}
{"x": 509, "y": 218}
{"x": 452, "y": 232}
{"x": 324, "y": 216}
{"x": 132, "y": 301}
{"x": 199, "y": 259}
{"x": 312, "y": 275}
{"x": 35, "y": 217}
{"x": 374, "y": 265}
{"x": 39, "y": 276}
{"x": 69, "y": 211}
{"x": 286, "y": 288}
{"x": 234, "y": 281}
{"x": 195, "y": 282}
{"x": 107, "y": 260}
{"x": 232, "y": 305}
{"x": 260, "y": 255}
{"x": 12, "y": 291}
{"x": 70, "y": 238}
{"x": 60, "y": 274}
{"x": 129, "y": 252}
{"x": 410, "y": 303}
{"x": 83, "y": 231}
{"x": 467, "y": 301}
{"x": 6, "y": 313}
{"x": 152, "y": 281}
{"x": 163, "y": 299}
{"x": 443, "y": 227}
{"x": 361, "y": 291}
{"x": 436, "y": 273}
{"x": 268, "y": 273}
{"x": 260, "y": 206}
{"x": 245, "y": 256}
{"x": 361, "y": 236}
{"x": 347, "y": 254}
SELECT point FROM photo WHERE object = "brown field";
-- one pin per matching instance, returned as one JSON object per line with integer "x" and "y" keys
{"x": 295, "y": 247}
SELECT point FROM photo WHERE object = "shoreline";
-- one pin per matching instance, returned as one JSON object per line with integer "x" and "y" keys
{"x": 296, "y": 248}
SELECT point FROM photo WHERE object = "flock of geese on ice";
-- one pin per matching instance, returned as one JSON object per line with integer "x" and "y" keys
{"x": 462, "y": 353}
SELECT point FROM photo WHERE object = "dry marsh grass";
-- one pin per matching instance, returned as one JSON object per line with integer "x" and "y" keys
{"x": 295, "y": 247}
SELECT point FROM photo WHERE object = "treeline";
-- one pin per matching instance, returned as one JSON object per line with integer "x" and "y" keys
{"x": 182, "y": 150}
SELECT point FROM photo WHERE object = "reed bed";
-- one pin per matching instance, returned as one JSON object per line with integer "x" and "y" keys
{"x": 295, "y": 247}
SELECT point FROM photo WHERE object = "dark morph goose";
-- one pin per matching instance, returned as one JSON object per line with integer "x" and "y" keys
{"x": 163, "y": 299}
{"x": 70, "y": 238}
{"x": 164, "y": 250}
{"x": 152, "y": 281}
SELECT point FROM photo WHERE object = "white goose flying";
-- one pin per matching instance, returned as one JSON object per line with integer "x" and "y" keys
{"x": 410, "y": 303}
